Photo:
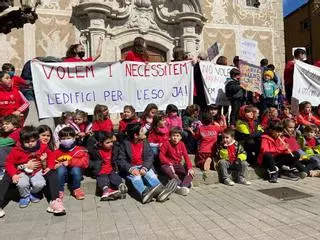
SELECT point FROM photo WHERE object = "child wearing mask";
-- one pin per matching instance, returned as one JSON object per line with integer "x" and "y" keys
{"x": 70, "y": 160}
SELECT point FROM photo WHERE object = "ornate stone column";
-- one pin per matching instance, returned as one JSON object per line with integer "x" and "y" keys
{"x": 190, "y": 24}
{"x": 96, "y": 31}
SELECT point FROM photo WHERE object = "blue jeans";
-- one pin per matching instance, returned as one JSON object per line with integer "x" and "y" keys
{"x": 140, "y": 182}
{"x": 63, "y": 176}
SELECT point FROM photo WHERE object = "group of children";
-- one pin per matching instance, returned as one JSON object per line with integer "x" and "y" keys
{"x": 153, "y": 143}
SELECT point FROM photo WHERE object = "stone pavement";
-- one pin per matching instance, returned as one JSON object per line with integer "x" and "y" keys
{"x": 209, "y": 212}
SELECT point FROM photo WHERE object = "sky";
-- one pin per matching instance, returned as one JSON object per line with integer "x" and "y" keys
{"x": 291, "y": 5}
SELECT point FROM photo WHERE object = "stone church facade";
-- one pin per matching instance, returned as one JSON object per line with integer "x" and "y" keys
{"x": 193, "y": 24}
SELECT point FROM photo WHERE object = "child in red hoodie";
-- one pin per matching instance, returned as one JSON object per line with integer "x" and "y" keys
{"x": 171, "y": 154}
{"x": 101, "y": 119}
{"x": 71, "y": 160}
{"x": 12, "y": 100}
{"x": 275, "y": 153}
{"x": 207, "y": 134}
{"x": 29, "y": 182}
{"x": 159, "y": 133}
{"x": 305, "y": 117}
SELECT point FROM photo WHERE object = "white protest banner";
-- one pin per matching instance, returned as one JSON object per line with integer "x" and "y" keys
{"x": 68, "y": 86}
{"x": 214, "y": 78}
{"x": 248, "y": 50}
{"x": 306, "y": 83}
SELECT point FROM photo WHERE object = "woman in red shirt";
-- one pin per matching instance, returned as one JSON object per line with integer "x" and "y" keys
{"x": 138, "y": 52}
{"x": 76, "y": 52}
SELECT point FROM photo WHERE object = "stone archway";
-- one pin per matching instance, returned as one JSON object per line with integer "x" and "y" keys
{"x": 163, "y": 23}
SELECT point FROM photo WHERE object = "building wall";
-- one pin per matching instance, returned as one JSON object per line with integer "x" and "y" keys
{"x": 227, "y": 22}
{"x": 295, "y": 36}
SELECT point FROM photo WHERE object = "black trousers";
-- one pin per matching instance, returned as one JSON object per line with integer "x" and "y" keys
{"x": 112, "y": 180}
{"x": 270, "y": 162}
{"x": 235, "y": 107}
{"x": 51, "y": 190}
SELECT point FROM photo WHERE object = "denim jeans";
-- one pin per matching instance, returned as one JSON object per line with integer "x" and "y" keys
{"x": 140, "y": 183}
{"x": 75, "y": 174}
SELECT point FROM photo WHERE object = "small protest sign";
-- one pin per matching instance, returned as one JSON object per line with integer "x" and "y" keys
{"x": 251, "y": 77}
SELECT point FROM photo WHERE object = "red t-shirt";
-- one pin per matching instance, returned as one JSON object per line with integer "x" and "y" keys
{"x": 134, "y": 57}
{"x": 159, "y": 135}
{"x": 232, "y": 152}
{"x": 74, "y": 59}
{"x": 106, "y": 167}
{"x": 136, "y": 150}
{"x": 15, "y": 135}
{"x": 311, "y": 142}
{"x": 105, "y": 125}
{"x": 317, "y": 64}
{"x": 288, "y": 73}
{"x": 208, "y": 136}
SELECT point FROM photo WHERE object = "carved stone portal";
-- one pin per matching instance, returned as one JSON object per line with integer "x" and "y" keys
{"x": 163, "y": 23}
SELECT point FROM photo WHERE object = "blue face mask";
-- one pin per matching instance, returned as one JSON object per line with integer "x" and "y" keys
{"x": 67, "y": 143}
{"x": 11, "y": 73}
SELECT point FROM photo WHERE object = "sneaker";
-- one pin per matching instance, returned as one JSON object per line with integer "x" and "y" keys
{"x": 2, "y": 213}
{"x": 289, "y": 176}
{"x": 123, "y": 190}
{"x": 56, "y": 207}
{"x": 110, "y": 194}
{"x": 207, "y": 164}
{"x": 34, "y": 198}
{"x": 24, "y": 202}
{"x": 273, "y": 176}
{"x": 303, "y": 175}
{"x": 61, "y": 195}
{"x": 244, "y": 181}
{"x": 314, "y": 173}
{"x": 228, "y": 182}
{"x": 1, "y": 173}
{"x": 148, "y": 194}
{"x": 78, "y": 194}
{"x": 182, "y": 191}
{"x": 167, "y": 190}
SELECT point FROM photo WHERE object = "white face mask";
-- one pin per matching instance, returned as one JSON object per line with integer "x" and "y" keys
{"x": 67, "y": 143}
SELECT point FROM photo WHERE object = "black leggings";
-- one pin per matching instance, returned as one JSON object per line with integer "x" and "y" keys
{"x": 270, "y": 162}
{"x": 51, "y": 181}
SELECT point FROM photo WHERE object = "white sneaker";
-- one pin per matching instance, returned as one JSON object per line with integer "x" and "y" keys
{"x": 2, "y": 213}
{"x": 184, "y": 191}
{"x": 228, "y": 182}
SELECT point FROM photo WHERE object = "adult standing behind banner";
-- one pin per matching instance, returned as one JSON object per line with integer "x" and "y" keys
{"x": 76, "y": 52}
{"x": 139, "y": 51}
{"x": 198, "y": 92}
{"x": 299, "y": 54}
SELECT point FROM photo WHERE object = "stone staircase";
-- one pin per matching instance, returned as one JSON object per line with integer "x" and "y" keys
{"x": 201, "y": 178}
